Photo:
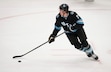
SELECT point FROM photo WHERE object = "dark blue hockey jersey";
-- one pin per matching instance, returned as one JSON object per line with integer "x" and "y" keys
{"x": 70, "y": 24}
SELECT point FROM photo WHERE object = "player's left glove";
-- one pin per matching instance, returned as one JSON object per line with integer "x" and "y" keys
{"x": 51, "y": 38}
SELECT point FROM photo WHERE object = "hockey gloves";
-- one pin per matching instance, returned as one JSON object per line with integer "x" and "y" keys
{"x": 51, "y": 38}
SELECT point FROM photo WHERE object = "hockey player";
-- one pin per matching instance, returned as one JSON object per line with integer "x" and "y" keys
{"x": 73, "y": 27}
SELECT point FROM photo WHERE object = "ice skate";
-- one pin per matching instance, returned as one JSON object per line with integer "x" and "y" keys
{"x": 92, "y": 55}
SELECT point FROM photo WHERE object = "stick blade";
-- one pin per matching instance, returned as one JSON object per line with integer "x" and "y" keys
{"x": 17, "y": 56}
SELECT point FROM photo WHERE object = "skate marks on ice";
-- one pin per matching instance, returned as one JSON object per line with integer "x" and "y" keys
{"x": 26, "y": 14}
{"x": 62, "y": 53}
{"x": 73, "y": 62}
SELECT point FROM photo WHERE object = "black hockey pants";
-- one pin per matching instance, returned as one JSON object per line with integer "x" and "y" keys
{"x": 78, "y": 38}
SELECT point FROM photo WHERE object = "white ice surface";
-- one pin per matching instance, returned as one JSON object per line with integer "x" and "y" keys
{"x": 25, "y": 24}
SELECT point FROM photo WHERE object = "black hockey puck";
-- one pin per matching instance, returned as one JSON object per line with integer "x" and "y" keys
{"x": 19, "y": 61}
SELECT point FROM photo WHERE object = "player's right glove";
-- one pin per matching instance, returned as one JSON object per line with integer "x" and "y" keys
{"x": 51, "y": 38}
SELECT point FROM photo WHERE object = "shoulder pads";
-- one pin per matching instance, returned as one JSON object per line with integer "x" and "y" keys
{"x": 71, "y": 12}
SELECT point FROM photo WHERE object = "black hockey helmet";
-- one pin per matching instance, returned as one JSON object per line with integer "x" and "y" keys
{"x": 64, "y": 7}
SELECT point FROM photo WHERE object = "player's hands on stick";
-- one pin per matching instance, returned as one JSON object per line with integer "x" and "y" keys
{"x": 51, "y": 38}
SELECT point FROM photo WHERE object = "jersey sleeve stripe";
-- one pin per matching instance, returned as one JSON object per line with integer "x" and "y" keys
{"x": 79, "y": 21}
{"x": 57, "y": 28}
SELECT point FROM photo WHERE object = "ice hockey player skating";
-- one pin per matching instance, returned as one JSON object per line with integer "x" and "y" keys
{"x": 73, "y": 27}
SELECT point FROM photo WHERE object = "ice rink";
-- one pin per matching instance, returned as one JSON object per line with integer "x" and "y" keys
{"x": 25, "y": 24}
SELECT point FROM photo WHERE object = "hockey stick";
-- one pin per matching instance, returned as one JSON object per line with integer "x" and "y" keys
{"x": 35, "y": 48}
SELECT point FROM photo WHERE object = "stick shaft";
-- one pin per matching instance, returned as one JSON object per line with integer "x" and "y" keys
{"x": 36, "y": 47}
